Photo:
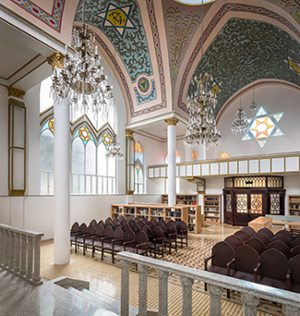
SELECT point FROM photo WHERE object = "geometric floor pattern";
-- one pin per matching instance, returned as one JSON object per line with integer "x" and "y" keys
{"x": 106, "y": 277}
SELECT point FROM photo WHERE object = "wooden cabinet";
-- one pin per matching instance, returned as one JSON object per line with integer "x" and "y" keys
{"x": 195, "y": 219}
{"x": 186, "y": 199}
{"x": 294, "y": 205}
{"x": 212, "y": 208}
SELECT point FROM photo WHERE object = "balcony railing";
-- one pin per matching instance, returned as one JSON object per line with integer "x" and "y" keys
{"x": 250, "y": 292}
{"x": 20, "y": 252}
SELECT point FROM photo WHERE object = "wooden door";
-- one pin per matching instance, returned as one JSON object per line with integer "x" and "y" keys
{"x": 228, "y": 207}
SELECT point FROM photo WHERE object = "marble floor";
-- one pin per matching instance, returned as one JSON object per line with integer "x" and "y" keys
{"x": 106, "y": 277}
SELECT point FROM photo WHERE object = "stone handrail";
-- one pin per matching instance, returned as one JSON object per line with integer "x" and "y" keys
{"x": 20, "y": 252}
{"x": 250, "y": 292}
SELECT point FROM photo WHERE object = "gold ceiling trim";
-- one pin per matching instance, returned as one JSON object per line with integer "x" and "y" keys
{"x": 14, "y": 92}
{"x": 56, "y": 60}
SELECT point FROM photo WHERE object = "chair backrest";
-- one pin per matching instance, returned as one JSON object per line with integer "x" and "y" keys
{"x": 83, "y": 228}
{"x": 75, "y": 227}
{"x": 274, "y": 264}
{"x": 137, "y": 219}
{"x": 249, "y": 230}
{"x": 222, "y": 253}
{"x": 125, "y": 227}
{"x": 123, "y": 221}
{"x": 93, "y": 222}
{"x": 234, "y": 241}
{"x": 116, "y": 221}
{"x": 129, "y": 235}
{"x": 295, "y": 251}
{"x": 108, "y": 231}
{"x": 256, "y": 244}
{"x": 283, "y": 238}
{"x": 109, "y": 223}
{"x": 91, "y": 229}
{"x": 147, "y": 230}
{"x": 294, "y": 265}
{"x": 101, "y": 222}
{"x": 109, "y": 219}
{"x": 121, "y": 217}
{"x": 134, "y": 226}
{"x": 153, "y": 220}
{"x": 118, "y": 233}
{"x": 171, "y": 228}
{"x": 157, "y": 232}
{"x": 100, "y": 230}
{"x": 263, "y": 237}
{"x": 141, "y": 237}
{"x": 246, "y": 259}
{"x": 285, "y": 233}
{"x": 145, "y": 220}
{"x": 141, "y": 223}
{"x": 151, "y": 225}
{"x": 296, "y": 242}
{"x": 267, "y": 231}
{"x": 243, "y": 235}
{"x": 117, "y": 225}
{"x": 163, "y": 221}
{"x": 161, "y": 225}
{"x": 182, "y": 226}
{"x": 129, "y": 218}
{"x": 281, "y": 246}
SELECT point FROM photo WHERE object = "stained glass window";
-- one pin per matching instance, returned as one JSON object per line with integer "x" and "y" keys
{"x": 139, "y": 168}
{"x": 193, "y": 157}
{"x": 224, "y": 155}
{"x": 263, "y": 126}
{"x": 177, "y": 157}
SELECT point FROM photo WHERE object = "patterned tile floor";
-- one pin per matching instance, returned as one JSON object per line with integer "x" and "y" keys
{"x": 106, "y": 277}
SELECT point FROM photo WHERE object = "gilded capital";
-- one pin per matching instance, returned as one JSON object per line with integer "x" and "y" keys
{"x": 14, "y": 92}
{"x": 56, "y": 60}
{"x": 129, "y": 132}
{"x": 171, "y": 121}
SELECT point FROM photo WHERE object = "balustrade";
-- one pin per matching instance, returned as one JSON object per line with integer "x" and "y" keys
{"x": 20, "y": 252}
{"x": 250, "y": 292}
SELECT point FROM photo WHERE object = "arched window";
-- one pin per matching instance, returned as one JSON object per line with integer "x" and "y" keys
{"x": 177, "y": 157}
{"x": 193, "y": 157}
{"x": 139, "y": 168}
{"x": 46, "y": 157}
{"x": 46, "y": 101}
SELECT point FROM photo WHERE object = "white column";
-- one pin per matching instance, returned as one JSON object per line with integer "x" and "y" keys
{"x": 202, "y": 152}
{"x": 61, "y": 183}
{"x": 171, "y": 160}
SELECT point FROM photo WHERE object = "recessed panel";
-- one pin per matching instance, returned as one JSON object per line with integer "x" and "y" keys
{"x": 182, "y": 171}
{"x": 253, "y": 166}
{"x": 197, "y": 170}
{"x": 214, "y": 168}
{"x": 189, "y": 170}
{"x": 205, "y": 169}
{"x": 156, "y": 172}
{"x": 151, "y": 173}
{"x": 232, "y": 167}
{"x": 177, "y": 171}
{"x": 163, "y": 171}
{"x": 265, "y": 165}
{"x": 277, "y": 164}
{"x": 291, "y": 164}
{"x": 243, "y": 166}
{"x": 223, "y": 168}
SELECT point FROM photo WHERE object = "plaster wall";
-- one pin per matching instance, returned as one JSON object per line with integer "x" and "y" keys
{"x": 3, "y": 141}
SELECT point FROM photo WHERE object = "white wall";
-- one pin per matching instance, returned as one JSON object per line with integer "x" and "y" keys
{"x": 3, "y": 141}
{"x": 274, "y": 99}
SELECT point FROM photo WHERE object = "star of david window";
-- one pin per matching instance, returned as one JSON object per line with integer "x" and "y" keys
{"x": 263, "y": 126}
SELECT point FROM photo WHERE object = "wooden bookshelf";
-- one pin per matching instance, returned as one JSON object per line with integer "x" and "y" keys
{"x": 195, "y": 219}
{"x": 212, "y": 208}
{"x": 294, "y": 208}
{"x": 186, "y": 199}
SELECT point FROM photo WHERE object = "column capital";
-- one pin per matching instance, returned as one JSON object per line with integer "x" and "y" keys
{"x": 14, "y": 92}
{"x": 171, "y": 121}
{"x": 129, "y": 132}
{"x": 56, "y": 60}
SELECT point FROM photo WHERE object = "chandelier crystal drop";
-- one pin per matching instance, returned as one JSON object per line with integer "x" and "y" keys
{"x": 82, "y": 80}
{"x": 253, "y": 106}
{"x": 201, "y": 128}
{"x": 114, "y": 150}
{"x": 240, "y": 123}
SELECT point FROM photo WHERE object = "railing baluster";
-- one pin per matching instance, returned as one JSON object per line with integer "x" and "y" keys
{"x": 29, "y": 257}
{"x": 17, "y": 252}
{"x": 125, "y": 288}
{"x": 215, "y": 300}
{"x": 250, "y": 303}
{"x": 23, "y": 254}
{"x": 162, "y": 292}
{"x": 36, "y": 272}
{"x": 143, "y": 271}
{"x": 187, "y": 286}
{"x": 11, "y": 250}
{"x": 5, "y": 248}
{"x": 289, "y": 310}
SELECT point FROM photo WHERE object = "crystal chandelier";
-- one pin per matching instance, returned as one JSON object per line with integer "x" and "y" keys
{"x": 114, "y": 150}
{"x": 240, "y": 123}
{"x": 253, "y": 106}
{"x": 201, "y": 128}
{"x": 82, "y": 80}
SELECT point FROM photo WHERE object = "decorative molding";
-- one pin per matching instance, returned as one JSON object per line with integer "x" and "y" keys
{"x": 171, "y": 121}
{"x": 14, "y": 92}
{"x": 148, "y": 97}
{"x": 129, "y": 132}
{"x": 56, "y": 60}
{"x": 52, "y": 19}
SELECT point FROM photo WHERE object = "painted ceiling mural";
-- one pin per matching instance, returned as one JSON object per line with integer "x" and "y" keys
{"x": 290, "y": 6}
{"x": 121, "y": 22}
{"x": 247, "y": 50}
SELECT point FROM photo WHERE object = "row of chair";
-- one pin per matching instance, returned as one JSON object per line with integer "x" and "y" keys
{"x": 112, "y": 236}
{"x": 255, "y": 259}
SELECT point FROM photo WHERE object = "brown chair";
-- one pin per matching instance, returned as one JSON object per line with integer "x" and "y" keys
{"x": 75, "y": 237}
{"x": 295, "y": 251}
{"x": 134, "y": 226}
{"x": 249, "y": 230}
{"x": 273, "y": 269}
{"x": 90, "y": 233}
{"x": 101, "y": 222}
{"x": 283, "y": 238}
{"x": 234, "y": 241}
{"x": 296, "y": 242}
{"x": 74, "y": 229}
{"x": 117, "y": 225}
{"x": 156, "y": 241}
{"x": 256, "y": 244}
{"x": 123, "y": 221}
{"x": 125, "y": 227}
{"x": 281, "y": 246}
{"x": 147, "y": 230}
{"x": 163, "y": 221}
{"x": 162, "y": 225}
{"x": 151, "y": 225}
{"x": 285, "y": 233}
{"x": 263, "y": 238}
{"x": 116, "y": 221}
{"x": 93, "y": 222}
{"x": 182, "y": 233}
{"x": 121, "y": 217}
{"x": 109, "y": 219}
{"x": 294, "y": 284}
{"x": 89, "y": 241}
{"x": 97, "y": 241}
{"x": 140, "y": 223}
{"x": 170, "y": 236}
{"x": 137, "y": 219}
{"x": 129, "y": 218}
{"x": 145, "y": 220}
{"x": 109, "y": 243}
{"x": 243, "y": 235}
{"x": 140, "y": 245}
{"x": 222, "y": 253}
{"x": 266, "y": 231}
{"x": 109, "y": 223}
